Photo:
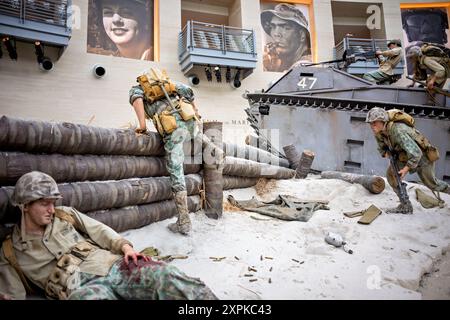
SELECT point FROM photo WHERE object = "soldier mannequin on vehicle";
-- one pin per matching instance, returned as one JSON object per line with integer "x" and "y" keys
{"x": 392, "y": 56}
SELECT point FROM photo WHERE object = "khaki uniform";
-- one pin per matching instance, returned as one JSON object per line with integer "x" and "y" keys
{"x": 102, "y": 274}
{"x": 394, "y": 56}
{"x": 386, "y": 69}
{"x": 437, "y": 66}
{"x": 37, "y": 256}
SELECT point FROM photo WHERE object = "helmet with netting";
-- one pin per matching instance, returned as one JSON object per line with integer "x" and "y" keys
{"x": 33, "y": 186}
{"x": 377, "y": 114}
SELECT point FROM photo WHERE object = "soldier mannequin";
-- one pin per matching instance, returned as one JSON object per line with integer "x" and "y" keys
{"x": 73, "y": 256}
{"x": 393, "y": 56}
{"x": 173, "y": 145}
{"x": 288, "y": 28}
{"x": 424, "y": 25}
{"x": 410, "y": 156}
{"x": 438, "y": 66}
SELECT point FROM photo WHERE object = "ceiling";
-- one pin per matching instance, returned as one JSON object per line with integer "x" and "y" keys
{"x": 351, "y": 9}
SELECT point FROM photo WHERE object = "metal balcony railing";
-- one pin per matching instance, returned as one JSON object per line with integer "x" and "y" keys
{"x": 52, "y": 12}
{"x": 216, "y": 37}
{"x": 36, "y": 20}
{"x": 210, "y": 44}
{"x": 358, "y": 45}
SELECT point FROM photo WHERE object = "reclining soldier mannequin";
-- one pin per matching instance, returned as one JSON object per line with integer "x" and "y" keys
{"x": 175, "y": 132}
{"x": 410, "y": 156}
{"x": 392, "y": 56}
{"x": 72, "y": 256}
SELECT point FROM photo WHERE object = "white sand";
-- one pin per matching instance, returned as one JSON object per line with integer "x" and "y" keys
{"x": 383, "y": 265}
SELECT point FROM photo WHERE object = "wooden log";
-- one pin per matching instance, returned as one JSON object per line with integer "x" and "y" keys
{"x": 70, "y": 138}
{"x": 94, "y": 196}
{"x": 374, "y": 184}
{"x": 304, "y": 164}
{"x": 134, "y": 217}
{"x": 254, "y": 154}
{"x": 252, "y": 169}
{"x": 256, "y": 142}
{"x": 65, "y": 168}
{"x": 212, "y": 174}
{"x": 292, "y": 155}
{"x": 230, "y": 182}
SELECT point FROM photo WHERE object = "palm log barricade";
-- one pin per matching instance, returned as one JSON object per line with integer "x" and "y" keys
{"x": 114, "y": 175}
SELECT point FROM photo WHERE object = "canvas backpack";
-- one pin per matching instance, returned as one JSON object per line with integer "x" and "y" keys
{"x": 396, "y": 115}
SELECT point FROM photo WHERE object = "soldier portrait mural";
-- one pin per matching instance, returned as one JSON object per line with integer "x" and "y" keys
{"x": 121, "y": 28}
{"x": 424, "y": 25}
{"x": 286, "y": 36}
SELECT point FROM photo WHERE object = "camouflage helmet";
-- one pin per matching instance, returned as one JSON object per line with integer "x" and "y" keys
{"x": 395, "y": 41}
{"x": 377, "y": 114}
{"x": 284, "y": 11}
{"x": 33, "y": 186}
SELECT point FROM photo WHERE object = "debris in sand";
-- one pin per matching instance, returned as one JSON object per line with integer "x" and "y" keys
{"x": 217, "y": 259}
{"x": 170, "y": 258}
{"x": 264, "y": 186}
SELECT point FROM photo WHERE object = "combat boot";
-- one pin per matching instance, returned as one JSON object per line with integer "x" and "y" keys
{"x": 183, "y": 224}
{"x": 403, "y": 208}
{"x": 447, "y": 191}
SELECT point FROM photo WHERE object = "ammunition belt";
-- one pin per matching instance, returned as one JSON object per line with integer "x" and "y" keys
{"x": 65, "y": 277}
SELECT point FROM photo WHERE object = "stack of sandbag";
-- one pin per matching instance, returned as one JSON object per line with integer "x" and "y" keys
{"x": 112, "y": 175}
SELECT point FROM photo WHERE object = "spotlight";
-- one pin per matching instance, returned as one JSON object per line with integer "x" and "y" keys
{"x": 11, "y": 47}
{"x": 194, "y": 79}
{"x": 99, "y": 71}
{"x": 236, "y": 81}
{"x": 228, "y": 75}
{"x": 218, "y": 74}
{"x": 44, "y": 62}
{"x": 208, "y": 74}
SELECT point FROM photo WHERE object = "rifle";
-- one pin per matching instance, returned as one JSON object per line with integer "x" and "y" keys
{"x": 438, "y": 90}
{"x": 402, "y": 193}
{"x": 349, "y": 57}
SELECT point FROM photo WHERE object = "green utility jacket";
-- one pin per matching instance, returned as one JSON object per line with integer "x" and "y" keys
{"x": 402, "y": 138}
{"x": 38, "y": 255}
